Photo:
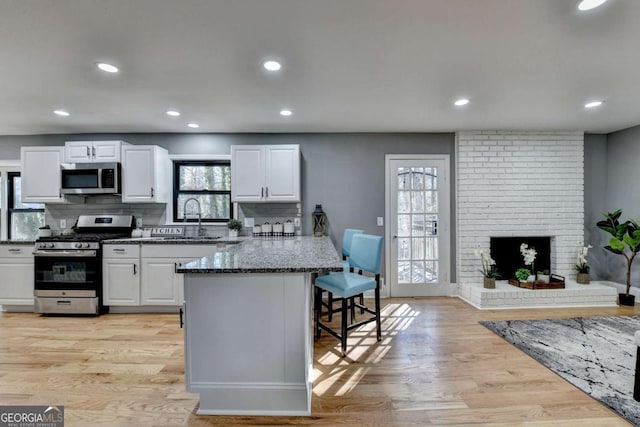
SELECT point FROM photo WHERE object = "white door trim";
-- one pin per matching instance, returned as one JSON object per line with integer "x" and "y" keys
{"x": 387, "y": 210}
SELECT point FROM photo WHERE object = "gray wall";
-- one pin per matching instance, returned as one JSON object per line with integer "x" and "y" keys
{"x": 595, "y": 188}
{"x": 343, "y": 172}
{"x": 623, "y": 192}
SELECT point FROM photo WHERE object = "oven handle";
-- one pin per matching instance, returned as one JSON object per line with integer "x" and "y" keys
{"x": 79, "y": 254}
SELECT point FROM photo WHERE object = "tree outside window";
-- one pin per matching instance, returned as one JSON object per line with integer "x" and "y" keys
{"x": 24, "y": 218}
{"x": 209, "y": 182}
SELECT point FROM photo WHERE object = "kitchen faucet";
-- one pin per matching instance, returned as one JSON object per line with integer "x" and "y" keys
{"x": 184, "y": 212}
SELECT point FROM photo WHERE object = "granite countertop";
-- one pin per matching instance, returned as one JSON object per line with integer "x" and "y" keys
{"x": 170, "y": 240}
{"x": 17, "y": 242}
{"x": 282, "y": 255}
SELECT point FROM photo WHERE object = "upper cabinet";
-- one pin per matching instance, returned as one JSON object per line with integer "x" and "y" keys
{"x": 92, "y": 151}
{"x": 146, "y": 174}
{"x": 40, "y": 175}
{"x": 265, "y": 173}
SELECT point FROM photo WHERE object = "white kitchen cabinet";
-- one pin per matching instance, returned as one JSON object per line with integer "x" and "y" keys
{"x": 160, "y": 284}
{"x": 41, "y": 177}
{"x": 121, "y": 275}
{"x": 146, "y": 174}
{"x": 16, "y": 274}
{"x": 265, "y": 173}
{"x": 92, "y": 151}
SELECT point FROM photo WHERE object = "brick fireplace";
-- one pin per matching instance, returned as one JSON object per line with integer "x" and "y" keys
{"x": 519, "y": 183}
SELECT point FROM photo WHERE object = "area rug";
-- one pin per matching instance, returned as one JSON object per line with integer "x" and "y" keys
{"x": 595, "y": 354}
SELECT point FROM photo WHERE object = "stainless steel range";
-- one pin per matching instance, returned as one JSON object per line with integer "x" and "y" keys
{"x": 68, "y": 268}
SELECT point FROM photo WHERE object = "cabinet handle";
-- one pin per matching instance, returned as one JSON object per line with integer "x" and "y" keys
{"x": 93, "y": 152}
{"x": 151, "y": 191}
{"x": 88, "y": 152}
{"x": 181, "y": 321}
{"x": 135, "y": 269}
{"x": 118, "y": 250}
{"x": 267, "y": 191}
{"x": 261, "y": 192}
{"x": 15, "y": 250}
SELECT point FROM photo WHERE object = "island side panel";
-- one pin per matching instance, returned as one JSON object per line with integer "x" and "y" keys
{"x": 246, "y": 338}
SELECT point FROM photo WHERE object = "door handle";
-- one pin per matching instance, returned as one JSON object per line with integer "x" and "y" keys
{"x": 135, "y": 269}
{"x": 93, "y": 152}
{"x": 88, "y": 152}
{"x": 181, "y": 321}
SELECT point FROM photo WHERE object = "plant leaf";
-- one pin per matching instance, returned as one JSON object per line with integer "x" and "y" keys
{"x": 606, "y": 226}
{"x": 616, "y": 246}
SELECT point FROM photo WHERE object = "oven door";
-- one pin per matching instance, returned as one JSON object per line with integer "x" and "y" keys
{"x": 67, "y": 282}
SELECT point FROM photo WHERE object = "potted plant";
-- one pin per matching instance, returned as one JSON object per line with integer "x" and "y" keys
{"x": 543, "y": 276}
{"x": 523, "y": 274}
{"x": 44, "y": 231}
{"x": 488, "y": 270}
{"x": 625, "y": 242}
{"x": 235, "y": 225}
{"x": 529, "y": 256}
{"x": 581, "y": 266}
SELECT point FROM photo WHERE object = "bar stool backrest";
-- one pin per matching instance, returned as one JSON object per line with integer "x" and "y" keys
{"x": 347, "y": 237}
{"x": 366, "y": 253}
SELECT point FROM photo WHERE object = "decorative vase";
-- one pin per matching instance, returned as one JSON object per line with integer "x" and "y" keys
{"x": 489, "y": 282}
{"x": 583, "y": 278}
{"x": 233, "y": 234}
{"x": 543, "y": 278}
{"x": 624, "y": 299}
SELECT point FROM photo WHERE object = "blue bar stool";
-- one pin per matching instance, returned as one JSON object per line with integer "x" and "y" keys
{"x": 365, "y": 255}
{"x": 347, "y": 237}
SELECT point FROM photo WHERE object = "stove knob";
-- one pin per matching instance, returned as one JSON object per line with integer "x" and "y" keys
{"x": 50, "y": 245}
{"x": 86, "y": 245}
{"x": 77, "y": 245}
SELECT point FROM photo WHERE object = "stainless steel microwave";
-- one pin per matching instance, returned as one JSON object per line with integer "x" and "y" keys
{"x": 90, "y": 178}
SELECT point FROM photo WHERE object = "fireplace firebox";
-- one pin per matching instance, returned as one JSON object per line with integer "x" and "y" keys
{"x": 506, "y": 252}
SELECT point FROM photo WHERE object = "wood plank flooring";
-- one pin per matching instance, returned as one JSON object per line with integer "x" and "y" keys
{"x": 435, "y": 366}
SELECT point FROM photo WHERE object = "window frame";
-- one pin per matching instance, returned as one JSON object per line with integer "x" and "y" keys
{"x": 11, "y": 175}
{"x": 177, "y": 192}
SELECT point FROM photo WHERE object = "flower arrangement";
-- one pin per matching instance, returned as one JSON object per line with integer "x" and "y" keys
{"x": 581, "y": 262}
{"x": 529, "y": 256}
{"x": 488, "y": 264}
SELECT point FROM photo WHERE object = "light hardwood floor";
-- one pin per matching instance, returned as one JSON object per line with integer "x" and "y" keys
{"x": 435, "y": 366}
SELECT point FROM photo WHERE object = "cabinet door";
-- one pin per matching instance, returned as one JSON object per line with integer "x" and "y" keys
{"x": 138, "y": 174}
{"x": 121, "y": 278}
{"x": 161, "y": 285}
{"x": 247, "y": 174}
{"x": 77, "y": 151}
{"x": 40, "y": 174}
{"x": 282, "y": 173}
{"x": 106, "y": 151}
{"x": 16, "y": 285}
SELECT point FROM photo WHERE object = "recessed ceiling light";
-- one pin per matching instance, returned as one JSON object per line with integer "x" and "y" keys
{"x": 193, "y": 125}
{"x": 108, "y": 68}
{"x": 593, "y": 104}
{"x": 590, "y": 4}
{"x": 461, "y": 102}
{"x": 61, "y": 113}
{"x": 173, "y": 113}
{"x": 286, "y": 113}
{"x": 272, "y": 65}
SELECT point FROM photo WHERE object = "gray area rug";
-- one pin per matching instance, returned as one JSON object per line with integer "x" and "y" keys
{"x": 595, "y": 354}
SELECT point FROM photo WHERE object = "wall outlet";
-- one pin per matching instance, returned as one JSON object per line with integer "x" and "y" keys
{"x": 380, "y": 221}
{"x": 249, "y": 222}
{"x": 138, "y": 222}
{"x": 63, "y": 224}
{"x": 296, "y": 222}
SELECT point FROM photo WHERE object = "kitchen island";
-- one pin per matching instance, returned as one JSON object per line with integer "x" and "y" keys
{"x": 248, "y": 325}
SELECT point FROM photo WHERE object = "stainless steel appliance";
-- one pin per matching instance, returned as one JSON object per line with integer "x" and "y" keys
{"x": 68, "y": 268}
{"x": 90, "y": 178}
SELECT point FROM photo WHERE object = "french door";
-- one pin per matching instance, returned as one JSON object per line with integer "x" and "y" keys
{"x": 418, "y": 230}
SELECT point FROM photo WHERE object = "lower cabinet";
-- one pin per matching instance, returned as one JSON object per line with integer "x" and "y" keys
{"x": 121, "y": 274}
{"x": 145, "y": 275}
{"x": 16, "y": 274}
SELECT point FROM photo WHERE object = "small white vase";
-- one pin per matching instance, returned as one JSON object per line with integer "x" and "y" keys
{"x": 233, "y": 234}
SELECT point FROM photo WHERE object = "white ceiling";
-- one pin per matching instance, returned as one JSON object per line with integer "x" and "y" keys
{"x": 348, "y": 65}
